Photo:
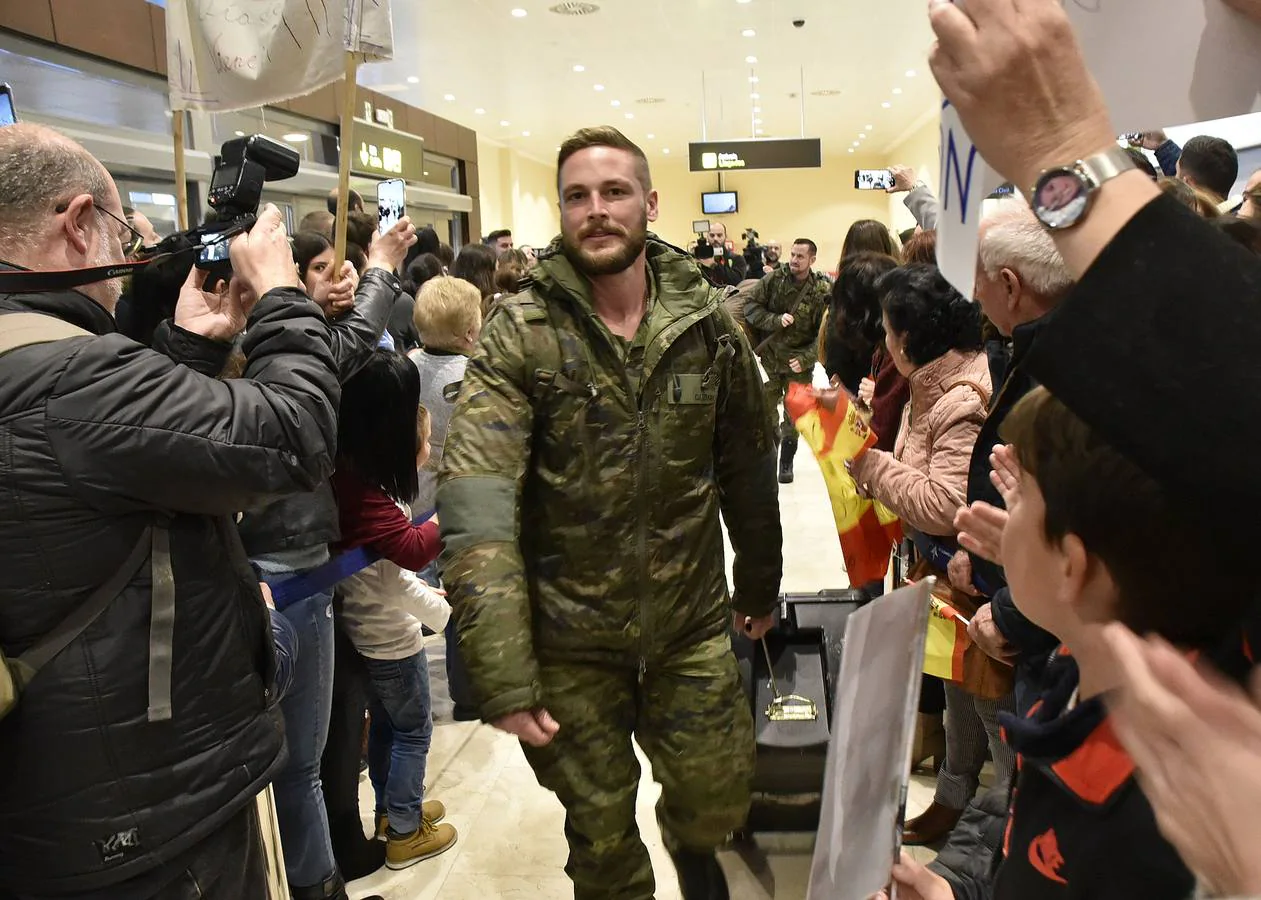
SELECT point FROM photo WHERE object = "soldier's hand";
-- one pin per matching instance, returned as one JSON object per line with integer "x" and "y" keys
{"x": 787, "y": 319}
{"x": 754, "y": 628}
{"x": 795, "y": 365}
{"x": 535, "y": 727}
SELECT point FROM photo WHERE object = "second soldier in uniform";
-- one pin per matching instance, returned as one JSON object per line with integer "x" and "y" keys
{"x": 786, "y": 309}
{"x": 612, "y": 410}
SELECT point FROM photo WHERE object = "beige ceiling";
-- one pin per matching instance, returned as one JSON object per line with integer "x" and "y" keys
{"x": 521, "y": 70}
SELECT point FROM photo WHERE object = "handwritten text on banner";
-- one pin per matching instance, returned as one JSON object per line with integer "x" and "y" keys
{"x": 236, "y": 54}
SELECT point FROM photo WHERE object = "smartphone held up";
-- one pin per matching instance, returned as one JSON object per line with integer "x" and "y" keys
{"x": 873, "y": 179}
{"x": 391, "y": 203}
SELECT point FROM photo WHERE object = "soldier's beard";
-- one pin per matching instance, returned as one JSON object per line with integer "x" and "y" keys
{"x": 610, "y": 260}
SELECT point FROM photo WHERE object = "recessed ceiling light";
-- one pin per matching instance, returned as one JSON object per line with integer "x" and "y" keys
{"x": 862, "y": 137}
{"x": 652, "y": 137}
{"x": 580, "y": 68}
{"x": 910, "y": 73}
{"x": 240, "y": 134}
{"x": 744, "y": 1}
{"x": 616, "y": 103}
{"x": 856, "y": 143}
{"x": 886, "y": 104}
{"x": 868, "y": 127}
{"x": 851, "y": 149}
{"x": 753, "y": 79}
{"x": 426, "y": 174}
{"x": 748, "y": 32}
{"x": 525, "y": 134}
{"x": 755, "y": 96}
{"x": 519, "y": 13}
{"x": 757, "y": 109}
{"x": 751, "y": 60}
{"x": 479, "y": 111}
{"x": 296, "y": 137}
{"x": 666, "y": 150}
{"x": 504, "y": 124}
{"x": 757, "y": 121}
{"x": 897, "y": 91}
{"x": 760, "y": 131}
{"x": 630, "y": 115}
{"x": 599, "y": 87}
{"x": 413, "y": 79}
{"x": 450, "y": 98}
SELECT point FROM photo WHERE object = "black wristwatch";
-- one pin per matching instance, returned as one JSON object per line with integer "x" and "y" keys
{"x": 1063, "y": 195}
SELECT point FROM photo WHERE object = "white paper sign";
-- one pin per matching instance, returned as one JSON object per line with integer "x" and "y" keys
{"x": 237, "y": 54}
{"x": 1170, "y": 62}
{"x": 966, "y": 180}
{"x": 869, "y": 757}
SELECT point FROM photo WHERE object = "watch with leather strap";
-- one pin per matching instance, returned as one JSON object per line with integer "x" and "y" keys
{"x": 1064, "y": 195}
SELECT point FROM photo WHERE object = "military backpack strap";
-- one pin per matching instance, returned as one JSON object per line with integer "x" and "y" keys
{"x": 545, "y": 355}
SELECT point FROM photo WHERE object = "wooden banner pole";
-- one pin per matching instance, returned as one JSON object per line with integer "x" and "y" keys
{"x": 349, "y": 100}
{"x": 181, "y": 169}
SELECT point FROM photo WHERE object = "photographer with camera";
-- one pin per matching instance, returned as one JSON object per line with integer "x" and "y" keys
{"x": 130, "y": 620}
{"x": 752, "y": 253}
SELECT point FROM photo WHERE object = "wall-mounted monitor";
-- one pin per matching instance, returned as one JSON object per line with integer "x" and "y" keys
{"x": 720, "y": 203}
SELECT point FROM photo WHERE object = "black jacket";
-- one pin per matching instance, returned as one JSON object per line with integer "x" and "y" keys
{"x": 1009, "y": 371}
{"x": 100, "y": 437}
{"x": 310, "y": 519}
{"x": 1079, "y": 826}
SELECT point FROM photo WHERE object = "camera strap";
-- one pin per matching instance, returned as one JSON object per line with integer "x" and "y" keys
{"x": 28, "y": 281}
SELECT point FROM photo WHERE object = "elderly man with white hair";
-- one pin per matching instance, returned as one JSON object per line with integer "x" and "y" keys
{"x": 1020, "y": 278}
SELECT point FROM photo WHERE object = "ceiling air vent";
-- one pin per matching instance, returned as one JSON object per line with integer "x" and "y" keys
{"x": 575, "y": 8}
{"x": 649, "y": 101}
{"x": 827, "y": 93}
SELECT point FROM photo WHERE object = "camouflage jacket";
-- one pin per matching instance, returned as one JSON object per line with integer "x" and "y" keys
{"x": 777, "y": 294}
{"x": 582, "y": 481}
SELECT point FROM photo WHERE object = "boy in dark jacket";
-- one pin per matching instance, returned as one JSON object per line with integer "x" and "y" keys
{"x": 1091, "y": 539}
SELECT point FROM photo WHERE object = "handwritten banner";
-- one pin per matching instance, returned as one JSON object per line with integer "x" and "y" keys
{"x": 1170, "y": 62}
{"x": 966, "y": 180}
{"x": 224, "y": 55}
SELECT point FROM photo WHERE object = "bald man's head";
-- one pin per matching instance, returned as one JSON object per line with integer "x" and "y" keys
{"x": 59, "y": 207}
{"x": 40, "y": 168}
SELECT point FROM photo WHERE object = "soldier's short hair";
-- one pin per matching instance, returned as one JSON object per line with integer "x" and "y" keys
{"x": 604, "y": 136}
{"x": 447, "y": 309}
{"x": 814, "y": 248}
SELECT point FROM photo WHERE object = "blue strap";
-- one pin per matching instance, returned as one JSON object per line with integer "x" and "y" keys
{"x": 324, "y": 578}
{"x": 939, "y": 554}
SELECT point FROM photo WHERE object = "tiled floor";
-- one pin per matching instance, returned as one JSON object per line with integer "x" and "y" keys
{"x": 511, "y": 831}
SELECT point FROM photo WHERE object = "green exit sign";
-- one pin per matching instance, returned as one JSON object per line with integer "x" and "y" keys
{"x": 384, "y": 153}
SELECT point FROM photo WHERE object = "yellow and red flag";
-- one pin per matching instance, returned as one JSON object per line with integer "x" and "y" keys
{"x": 837, "y": 433}
{"x": 947, "y": 640}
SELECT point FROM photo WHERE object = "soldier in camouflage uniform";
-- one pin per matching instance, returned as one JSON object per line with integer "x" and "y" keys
{"x": 787, "y": 306}
{"x": 611, "y": 411}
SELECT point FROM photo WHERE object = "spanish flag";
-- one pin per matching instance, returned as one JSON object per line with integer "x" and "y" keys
{"x": 836, "y": 432}
{"x": 947, "y": 640}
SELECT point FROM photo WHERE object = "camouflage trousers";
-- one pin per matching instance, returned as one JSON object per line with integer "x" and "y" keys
{"x": 774, "y": 390}
{"x": 690, "y": 715}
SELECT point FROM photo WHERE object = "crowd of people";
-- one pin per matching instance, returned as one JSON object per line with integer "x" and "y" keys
{"x": 225, "y": 566}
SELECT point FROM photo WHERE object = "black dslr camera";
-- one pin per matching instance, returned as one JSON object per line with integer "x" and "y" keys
{"x": 236, "y": 189}
{"x": 752, "y": 250}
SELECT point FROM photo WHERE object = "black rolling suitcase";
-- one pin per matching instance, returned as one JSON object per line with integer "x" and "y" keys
{"x": 805, "y": 650}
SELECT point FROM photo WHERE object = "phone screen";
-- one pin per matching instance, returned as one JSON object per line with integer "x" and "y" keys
{"x": 8, "y": 115}
{"x": 391, "y": 203}
{"x": 873, "y": 179}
